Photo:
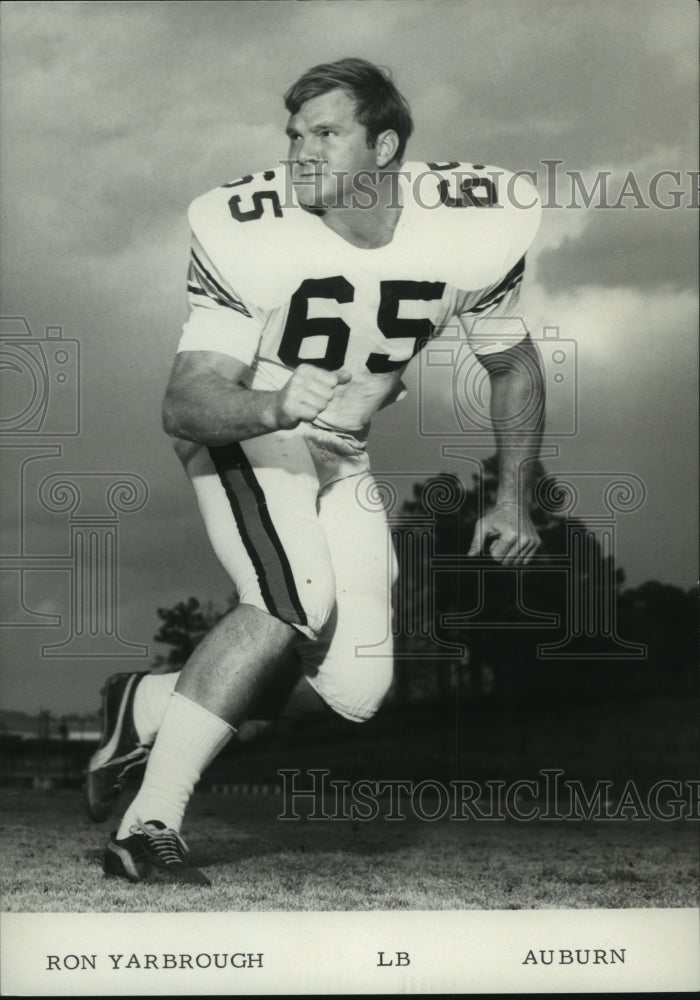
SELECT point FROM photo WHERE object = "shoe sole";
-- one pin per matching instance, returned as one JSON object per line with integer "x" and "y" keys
{"x": 99, "y": 809}
{"x": 101, "y": 792}
{"x": 103, "y": 754}
{"x": 118, "y": 863}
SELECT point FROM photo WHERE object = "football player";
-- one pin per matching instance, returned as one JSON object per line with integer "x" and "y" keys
{"x": 312, "y": 285}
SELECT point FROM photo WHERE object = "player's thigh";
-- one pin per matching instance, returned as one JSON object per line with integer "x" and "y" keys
{"x": 356, "y": 529}
{"x": 258, "y": 500}
{"x": 351, "y": 663}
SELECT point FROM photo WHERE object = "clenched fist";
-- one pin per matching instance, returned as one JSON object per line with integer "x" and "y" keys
{"x": 515, "y": 536}
{"x": 307, "y": 394}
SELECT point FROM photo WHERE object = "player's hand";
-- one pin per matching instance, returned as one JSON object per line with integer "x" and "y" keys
{"x": 307, "y": 394}
{"x": 514, "y": 537}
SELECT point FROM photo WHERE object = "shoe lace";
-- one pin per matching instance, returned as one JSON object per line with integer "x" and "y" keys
{"x": 166, "y": 844}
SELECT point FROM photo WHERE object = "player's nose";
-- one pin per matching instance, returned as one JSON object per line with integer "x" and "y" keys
{"x": 305, "y": 149}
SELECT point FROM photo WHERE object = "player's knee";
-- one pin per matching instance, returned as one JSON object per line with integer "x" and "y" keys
{"x": 357, "y": 695}
{"x": 377, "y": 686}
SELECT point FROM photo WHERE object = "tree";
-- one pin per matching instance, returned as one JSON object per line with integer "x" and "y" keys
{"x": 507, "y": 651}
{"x": 665, "y": 618}
{"x": 183, "y": 628}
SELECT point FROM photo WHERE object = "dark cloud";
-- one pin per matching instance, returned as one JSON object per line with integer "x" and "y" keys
{"x": 633, "y": 248}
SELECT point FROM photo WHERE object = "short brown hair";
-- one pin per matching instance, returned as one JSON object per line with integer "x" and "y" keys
{"x": 378, "y": 104}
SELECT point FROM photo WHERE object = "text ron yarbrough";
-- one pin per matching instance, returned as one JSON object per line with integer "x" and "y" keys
{"x": 550, "y": 797}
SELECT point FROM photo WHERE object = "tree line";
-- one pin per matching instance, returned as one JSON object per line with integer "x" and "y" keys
{"x": 564, "y": 627}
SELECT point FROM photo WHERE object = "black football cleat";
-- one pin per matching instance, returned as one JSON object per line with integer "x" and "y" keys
{"x": 119, "y": 750}
{"x": 127, "y": 858}
{"x": 151, "y": 853}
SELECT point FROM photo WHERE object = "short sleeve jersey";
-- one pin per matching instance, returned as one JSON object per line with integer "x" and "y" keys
{"x": 272, "y": 286}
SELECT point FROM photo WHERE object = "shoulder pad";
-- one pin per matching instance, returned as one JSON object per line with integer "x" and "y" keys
{"x": 251, "y": 230}
{"x": 484, "y": 217}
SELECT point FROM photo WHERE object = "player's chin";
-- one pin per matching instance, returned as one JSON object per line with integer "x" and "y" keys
{"x": 310, "y": 196}
{"x": 316, "y": 198}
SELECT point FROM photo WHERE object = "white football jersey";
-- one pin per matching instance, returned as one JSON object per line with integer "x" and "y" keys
{"x": 271, "y": 285}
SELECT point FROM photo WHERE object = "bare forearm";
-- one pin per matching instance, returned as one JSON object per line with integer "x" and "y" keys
{"x": 207, "y": 400}
{"x": 517, "y": 411}
{"x": 213, "y": 411}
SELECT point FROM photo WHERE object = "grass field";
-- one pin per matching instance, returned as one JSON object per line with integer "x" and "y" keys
{"x": 51, "y": 862}
{"x": 51, "y": 853}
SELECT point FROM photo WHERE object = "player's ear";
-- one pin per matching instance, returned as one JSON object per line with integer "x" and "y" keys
{"x": 386, "y": 147}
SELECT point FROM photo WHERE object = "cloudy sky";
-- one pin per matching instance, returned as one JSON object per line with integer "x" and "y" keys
{"x": 115, "y": 115}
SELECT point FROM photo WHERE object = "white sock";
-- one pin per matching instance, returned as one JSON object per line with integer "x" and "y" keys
{"x": 150, "y": 702}
{"x": 189, "y": 739}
